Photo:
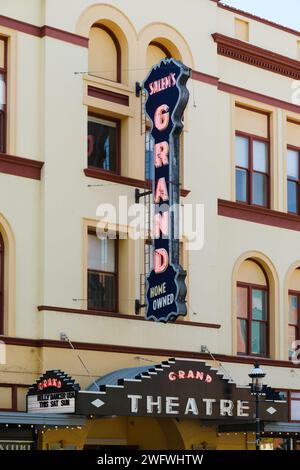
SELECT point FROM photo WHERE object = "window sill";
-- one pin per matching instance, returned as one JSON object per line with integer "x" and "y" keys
{"x": 125, "y": 180}
{"x": 258, "y": 215}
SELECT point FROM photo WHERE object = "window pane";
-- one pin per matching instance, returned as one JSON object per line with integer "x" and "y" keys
{"x": 259, "y": 311}
{"x": 283, "y": 394}
{"x": 295, "y": 395}
{"x": 242, "y": 151}
{"x": 242, "y": 336}
{"x": 242, "y": 293}
{"x": 259, "y": 189}
{"x": 260, "y": 156}
{"x": 259, "y": 338}
{"x": 292, "y": 338}
{"x": 293, "y": 164}
{"x": 292, "y": 197}
{"x": 101, "y": 291}
{"x": 101, "y": 254}
{"x": 241, "y": 185}
{"x": 295, "y": 410}
{"x": 293, "y": 310}
{"x": 102, "y": 144}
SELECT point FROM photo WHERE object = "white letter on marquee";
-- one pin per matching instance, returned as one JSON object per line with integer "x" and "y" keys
{"x": 170, "y": 403}
{"x": 151, "y": 404}
{"x": 241, "y": 407}
{"x": 208, "y": 403}
{"x": 134, "y": 402}
{"x": 191, "y": 407}
{"x": 226, "y": 407}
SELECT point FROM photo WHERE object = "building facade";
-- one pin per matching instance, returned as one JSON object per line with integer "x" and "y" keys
{"x": 74, "y": 138}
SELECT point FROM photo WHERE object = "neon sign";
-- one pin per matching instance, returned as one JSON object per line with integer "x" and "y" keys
{"x": 166, "y": 100}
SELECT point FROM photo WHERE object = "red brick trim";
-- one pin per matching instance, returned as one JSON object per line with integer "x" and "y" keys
{"x": 49, "y": 343}
{"x": 107, "y": 95}
{"x": 19, "y": 166}
{"x": 253, "y": 55}
{"x": 46, "y": 308}
{"x": 114, "y": 178}
{"x": 258, "y": 215}
{"x": 42, "y": 31}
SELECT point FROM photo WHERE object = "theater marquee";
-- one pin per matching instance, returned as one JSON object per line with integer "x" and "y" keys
{"x": 166, "y": 100}
{"x": 179, "y": 389}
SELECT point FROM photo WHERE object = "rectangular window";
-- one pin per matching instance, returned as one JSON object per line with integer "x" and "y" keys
{"x": 252, "y": 170}
{"x": 3, "y": 93}
{"x": 293, "y": 180}
{"x": 294, "y": 317}
{"x": 102, "y": 273}
{"x": 252, "y": 320}
{"x": 149, "y": 164}
{"x": 103, "y": 144}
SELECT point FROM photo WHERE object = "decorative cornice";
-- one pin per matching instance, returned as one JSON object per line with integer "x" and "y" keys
{"x": 253, "y": 55}
{"x": 19, "y": 166}
{"x": 258, "y": 215}
{"x": 113, "y": 348}
{"x": 46, "y": 308}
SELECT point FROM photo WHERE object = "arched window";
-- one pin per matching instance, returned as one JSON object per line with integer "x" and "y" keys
{"x": 155, "y": 53}
{"x": 294, "y": 310}
{"x": 252, "y": 310}
{"x": 1, "y": 285}
{"x": 104, "y": 53}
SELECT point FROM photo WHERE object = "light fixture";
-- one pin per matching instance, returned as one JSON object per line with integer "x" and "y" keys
{"x": 257, "y": 375}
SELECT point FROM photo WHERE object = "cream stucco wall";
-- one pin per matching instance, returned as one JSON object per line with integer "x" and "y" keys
{"x": 48, "y": 217}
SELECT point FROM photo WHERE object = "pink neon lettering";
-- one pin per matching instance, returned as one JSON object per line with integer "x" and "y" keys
{"x": 161, "y": 154}
{"x": 161, "y": 191}
{"x": 161, "y": 223}
{"x": 162, "y": 117}
{"x": 161, "y": 260}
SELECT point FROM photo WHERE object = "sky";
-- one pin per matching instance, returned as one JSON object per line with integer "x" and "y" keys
{"x": 285, "y": 12}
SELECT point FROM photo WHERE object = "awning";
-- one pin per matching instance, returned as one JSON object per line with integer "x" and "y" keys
{"x": 42, "y": 419}
{"x": 282, "y": 427}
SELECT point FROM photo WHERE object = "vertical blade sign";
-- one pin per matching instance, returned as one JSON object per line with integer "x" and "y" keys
{"x": 166, "y": 100}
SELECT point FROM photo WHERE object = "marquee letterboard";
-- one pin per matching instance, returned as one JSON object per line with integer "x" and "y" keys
{"x": 54, "y": 392}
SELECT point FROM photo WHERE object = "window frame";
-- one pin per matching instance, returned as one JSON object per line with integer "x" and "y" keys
{"x": 4, "y": 72}
{"x": 118, "y": 143}
{"x": 249, "y": 320}
{"x": 289, "y": 401}
{"x": 2, "y": 261}
{"x": 250, "y": 171}
{"x": 295, "y": 294}
{"x": 116, "y": 275}
{"x": 296, "y": 149}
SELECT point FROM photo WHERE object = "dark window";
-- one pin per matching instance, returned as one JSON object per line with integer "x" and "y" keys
{"x": 1, "y": 285}
{"x": 149, "y": 163}
{"x": 102, "y": 273}
{"x": 3, "y": 93}
{"x": 294, "y": 319}
{"x": 252, "y": 320}
{"x": 293, "y": 180}
{"x": 252, "y": 170}
{"x": 103, "y": 144}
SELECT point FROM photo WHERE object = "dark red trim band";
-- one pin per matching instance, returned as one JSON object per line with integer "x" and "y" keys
{"x": 19, "y": 166}
{"x": 49, "y": 343}
{"x": 252, "y": 95}
{"x": 120, "y": 315}
{"x": 42, "y": 31}
{"x": 257, "y": 56}
{"x": 107, "y": 95}
{"x": 258, "y": 215}
{"x": 108, "y": 176}
{"x": 203, "y": 77}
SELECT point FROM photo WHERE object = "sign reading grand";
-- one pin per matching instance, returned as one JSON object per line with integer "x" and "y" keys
{"x": 179, "y": 389}
{"x": 54, "y": 392}
{"x": 166, "y": 100}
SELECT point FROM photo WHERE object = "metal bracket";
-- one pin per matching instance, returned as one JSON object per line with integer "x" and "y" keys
{"x": 138, "y": 89}
{"x": 138, "y": 306}
{"x": 139, "y": 194}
